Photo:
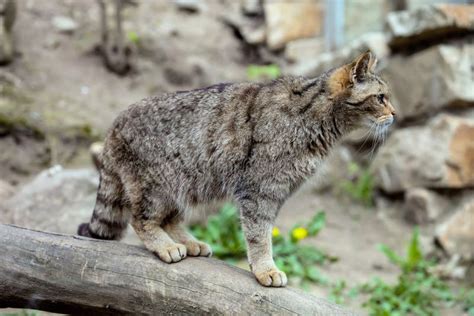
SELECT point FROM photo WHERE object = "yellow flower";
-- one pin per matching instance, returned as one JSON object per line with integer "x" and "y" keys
{"x": 299, "y": 233}
{"x": 275, "y": 232}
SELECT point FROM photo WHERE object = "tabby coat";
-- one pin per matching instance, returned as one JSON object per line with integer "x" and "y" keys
{"x": 254, "y": 143}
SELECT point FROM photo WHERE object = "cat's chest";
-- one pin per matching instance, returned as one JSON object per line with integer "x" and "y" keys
{"x": 307, "y": 166}
{"x": 295, "y": 170}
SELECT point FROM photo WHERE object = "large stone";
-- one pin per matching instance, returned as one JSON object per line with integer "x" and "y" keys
{"x": 56, "y": 200}
{"x": 456, "y": 235}
{"x": 375, "y": 42}
{"x": 6, "y": 191}
{"x": 371, "y": 12}
{"x": 252, "y": 7}
{"x": 435, "y": 78}
{"x": 423, "y": 206}
{"x": 438, "y": 155}
{"x": 304, "y": 49}
{"x": 428, "y": 24}
{"x": 290, "y": 20}
{"x": 333, "y": 171}
{"x": 64, "y": 24}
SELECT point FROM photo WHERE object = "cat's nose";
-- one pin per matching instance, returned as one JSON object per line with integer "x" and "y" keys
{"x": 391, "y": 108}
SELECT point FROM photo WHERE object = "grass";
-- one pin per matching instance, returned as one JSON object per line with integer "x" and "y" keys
{"x": 417, "y": 290}
{"x": 297, "y": 260}
{"x": 263, "y": 72}
{"x": 360, "y": 187}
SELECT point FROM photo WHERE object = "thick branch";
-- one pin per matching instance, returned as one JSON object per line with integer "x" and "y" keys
{"x": 77, "y": 275}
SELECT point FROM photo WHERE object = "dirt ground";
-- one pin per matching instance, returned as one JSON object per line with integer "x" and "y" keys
{"x": 67, "y": 86}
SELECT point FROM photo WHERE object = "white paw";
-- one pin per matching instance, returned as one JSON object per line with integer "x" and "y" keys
{"x": 272, "y": 277}
{"x": 171, "y": 253}
{"x": 198, "y": 248}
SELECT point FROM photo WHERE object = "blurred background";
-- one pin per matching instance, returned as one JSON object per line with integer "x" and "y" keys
{"x": 399, "y": 209}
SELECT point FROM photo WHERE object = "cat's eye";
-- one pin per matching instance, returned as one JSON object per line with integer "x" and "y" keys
{"x": 381, "y": 98}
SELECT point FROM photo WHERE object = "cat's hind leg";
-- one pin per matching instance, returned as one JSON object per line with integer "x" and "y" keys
{"x": 149, "y": 211}
{"x": 176, "y": 230}
{"x": 111, "y": 214}
{"x": 157, "y": 240}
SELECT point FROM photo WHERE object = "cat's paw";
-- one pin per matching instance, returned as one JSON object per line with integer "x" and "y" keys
{"x": 272, "y": 277}
{"x": 198, "y": 248}
{"x": 171, "y": 253}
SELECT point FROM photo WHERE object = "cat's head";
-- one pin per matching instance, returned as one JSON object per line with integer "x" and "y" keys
{"x": 362, "y": 96}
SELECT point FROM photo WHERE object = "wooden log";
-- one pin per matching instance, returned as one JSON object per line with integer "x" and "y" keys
{"x": 78, "y": 275}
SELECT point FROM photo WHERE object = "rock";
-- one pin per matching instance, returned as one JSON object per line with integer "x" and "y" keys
{"x": 375, "y": 42}
{"x": 287, "y": 21}
{"x": 372, "y": 12}
{"x": 423, "y": 206}
{"x": 252, "y": 30}
{"x": 435, "y": 78}
{"x": 252, "y": 7}
{"x": 438, "y": 155}
{"x": 333, "y": 171}
{"x": 64, "y": 24}
{"x": 456, "y": 235}
{"x": 6, "y": 191}
{"x": 191, "y": 6}
{"x": 57, "y": 200}
{"x": 253, "y": 34}
{"x": 95, "y": 149}
{"x": 305, "y": 49}
{"x": 429, "y": 24}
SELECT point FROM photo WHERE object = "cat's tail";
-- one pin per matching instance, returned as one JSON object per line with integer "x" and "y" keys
{"x": 110, "y": 217}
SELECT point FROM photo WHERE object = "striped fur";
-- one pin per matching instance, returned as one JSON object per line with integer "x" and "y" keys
{"x": 254, "y": 143}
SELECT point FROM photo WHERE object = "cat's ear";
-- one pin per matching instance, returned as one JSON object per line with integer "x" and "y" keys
{"x": 340, "y": 80}
{"x": 362, "y": 66}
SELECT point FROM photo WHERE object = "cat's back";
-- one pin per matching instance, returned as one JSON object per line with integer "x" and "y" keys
{"x": 195, "y": 122}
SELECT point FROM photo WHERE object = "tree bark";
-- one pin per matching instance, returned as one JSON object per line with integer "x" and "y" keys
{"x": 78, "y": 275}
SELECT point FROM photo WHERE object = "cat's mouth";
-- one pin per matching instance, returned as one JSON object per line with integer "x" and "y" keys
{"x": 385, "y": 120}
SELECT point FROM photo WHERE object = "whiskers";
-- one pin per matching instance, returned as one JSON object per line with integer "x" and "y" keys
{"x": 379, "y": 133}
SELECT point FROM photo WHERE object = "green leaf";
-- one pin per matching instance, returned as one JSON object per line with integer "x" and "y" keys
{"x": 313, "y": 274}
{"x": 133, "y": 37}
{"x": 262, "y": 72}
{"x": 317, "y": 223}
{"x": 414, "y": 254}
{"x": 390, "y": 254}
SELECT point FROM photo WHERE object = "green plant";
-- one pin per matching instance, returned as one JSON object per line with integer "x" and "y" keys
{"x": 361, "y": 185}
{"x": 417, "y": 291}
{"x": 466, "y": 300}
{"x": 263, "y": 72}
{"x": 298, "y": 260}
{"x": 338, "y": 290}
{"x": 133, "y": 37}
{"x": 224, "y": 234}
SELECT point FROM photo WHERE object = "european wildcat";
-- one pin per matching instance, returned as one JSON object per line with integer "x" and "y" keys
{"x": 251, "y": 142}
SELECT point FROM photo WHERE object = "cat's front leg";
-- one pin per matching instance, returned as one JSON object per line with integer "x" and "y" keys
{"x": 257, "y": 216}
